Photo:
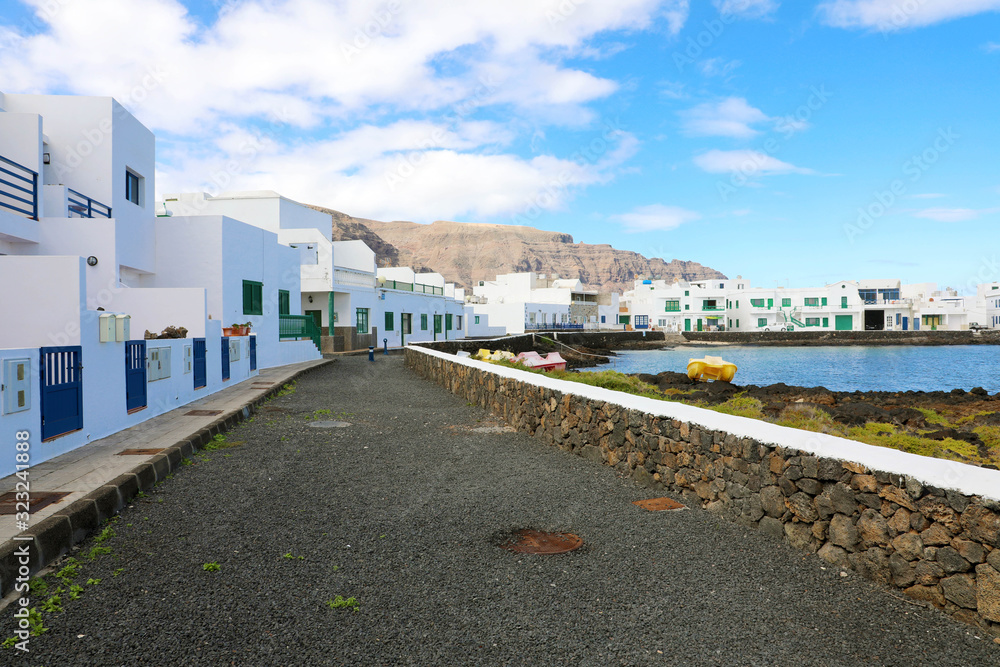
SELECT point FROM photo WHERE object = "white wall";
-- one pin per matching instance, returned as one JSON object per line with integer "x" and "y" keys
{"x": 398, "y": 302}
{"x": 41, "y": 300}
{"x": 158, "y": 308}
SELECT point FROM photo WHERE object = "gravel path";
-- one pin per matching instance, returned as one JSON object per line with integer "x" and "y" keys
{"x": 403, "y": 510}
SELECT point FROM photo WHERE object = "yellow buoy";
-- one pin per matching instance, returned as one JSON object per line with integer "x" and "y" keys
{"x": 711, "y": 368}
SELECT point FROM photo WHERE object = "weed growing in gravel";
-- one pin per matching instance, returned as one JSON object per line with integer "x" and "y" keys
{"x": 211, "y": 567}
{"x": 186, "y": 461}
{"x": 321, "y": 413}
{"x": 75, "y": 591}
{"x": 289, "y": 556}
{"x": 38, "y": 586}
{"x": 286, "y": 390}
{"x": 340, "y": 603}
{"x": 53, "y": 604}
{"x": 117, "y": 572}
{"x": 68, "y": 573}
{"x": 934, "y": 417}
{"x": 93, "y": 582}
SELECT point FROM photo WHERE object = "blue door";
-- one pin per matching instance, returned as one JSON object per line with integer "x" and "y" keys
{"x": 253, "y": 353}
{"x": 916, "y": 323}
{"x": 62, "y": 390}
{"x": 200, "y": 367}
{"x": 135, "y": 375}
{"x": 225, "y": 358}
{"x": 906, "y": 323}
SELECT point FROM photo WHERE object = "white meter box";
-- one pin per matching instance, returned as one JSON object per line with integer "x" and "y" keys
{"x": 16, "y": 385}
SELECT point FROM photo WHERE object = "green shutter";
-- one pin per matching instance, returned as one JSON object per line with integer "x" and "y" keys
{"x": 388, "y": 321}
{"x": 823, "y": 302}
{"x": 448, "y": 323}
{"x": 253, "y": 298}
{"x": 826, "y": 321}
{"x": 423, "y": 322}
{"x": 284, "y": 302}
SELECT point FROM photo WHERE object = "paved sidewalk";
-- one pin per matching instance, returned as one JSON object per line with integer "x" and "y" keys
{"x": 84, "y": 472}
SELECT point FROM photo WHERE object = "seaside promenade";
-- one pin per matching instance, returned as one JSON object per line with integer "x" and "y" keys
{"x": 367, "y": 482}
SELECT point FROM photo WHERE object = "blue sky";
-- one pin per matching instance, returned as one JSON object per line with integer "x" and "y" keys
{"x": 792, "y": 143}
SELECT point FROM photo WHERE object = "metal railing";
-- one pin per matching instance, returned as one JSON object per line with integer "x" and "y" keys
{"x": 428, "y": 289}
{"x": 350, "y": 277}
{"x": 551, "y": 327}
{"x": 297, "y": 327}
{"x": 82, "y": 206}
{"x": 16, "y": 183}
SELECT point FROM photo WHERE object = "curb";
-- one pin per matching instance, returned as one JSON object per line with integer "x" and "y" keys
{"x": 57, "y": 534}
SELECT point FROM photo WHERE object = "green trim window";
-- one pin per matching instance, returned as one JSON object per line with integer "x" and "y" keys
{"x": 253, "y": 298}
{"x": 812, "y": 301}
{"x": 737, "y": 323}
{"x": 623, "y": 319}
{"x": 477, "y": 319}
{"x": 284, "y": 302}
{"x": 823, "y": 301}
{"x": 843, "y": 302}
{"x": 388, "y": 321}
{"x": 687, "y": 306}
{"x": 826, "y": 321}
{"x": 362, "y": 315}
{"x": 423, "y": 322}
{"x": 737, "y": 305}
{"x": 757, "y": 303}
{"x": 672, "y": 306}
{"x": 437, "y": 324}
{"x": 762, "y": 321}
{"x": 786, "y": 303}
{"x": 687, "y": 292}
{"x": 812, "y": 321}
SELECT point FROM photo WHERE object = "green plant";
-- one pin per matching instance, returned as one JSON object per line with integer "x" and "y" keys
{"x": 93, "y": 582}
{"x": 211, "y": 567}
{"x": 98, "y": 551}
{"x": 9, "y": 642}
{"x": 186, "y": 461}
{"x": 286, "y": 389}
{"x": 289, "y": 556}
{"x": 105, "y": 535}
{"x": 38, "y": 586}
{"x": 74, "y": 591}
{"x": 53, "y": 604}
{"x": 117, "y": 572}
{"x": 68, "y": 573}
{"x": 35, "y": 624}
{"x": 742, "y": 405}
{"x": 340, "y": 603}
{"x": 324, "y": 412}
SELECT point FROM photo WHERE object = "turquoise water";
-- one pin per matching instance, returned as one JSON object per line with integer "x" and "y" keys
{"x": 892, "y": 368}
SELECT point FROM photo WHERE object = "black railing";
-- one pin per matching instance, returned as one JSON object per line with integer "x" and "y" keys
{"x": 85, "y": 207}
{"x": 19, "y": 185}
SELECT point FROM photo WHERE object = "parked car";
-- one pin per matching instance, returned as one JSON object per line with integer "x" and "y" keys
{"x": 778, "y": 327}
{"x": 976, "y": 326}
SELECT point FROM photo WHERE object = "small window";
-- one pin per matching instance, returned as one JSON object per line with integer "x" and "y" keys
{"x": 388, "y": 322}
{"x": 823, "y": 301}
{"x": 757, "y": 303}
{"x": 284, "y": 302}
{"x": 362, "y": 316}
{"x": 786, "y": 303}
{"x": 423, "y": 322}
{"x": 762, "y": 321}
{"x": 812, "y": 301}
{"x": 603, "y": 319}
{"x": 253, "y": 298}
{"x": 133, "y": 187}
{"x": 458, "y": 319}
{"x": 826, "y": 321}
{"x": 477, "y": 319}
{"x": 687, "y": 306}
{"x": 687, "y": 292}
{"x": 672, "y": 306}
{"x": 812, "y": 321}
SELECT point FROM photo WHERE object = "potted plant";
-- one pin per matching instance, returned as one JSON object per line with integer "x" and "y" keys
{"x": 237, "y": 329}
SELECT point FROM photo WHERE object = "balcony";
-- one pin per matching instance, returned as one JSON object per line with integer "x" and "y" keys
{"x": 18, "y": 189}
{"x": 535, "y": 326}
{"x": 352, "y": 278}
{"x": 298, "y": 327}
{"x": 81, "y": 206}
{"x": 418, "y": 288}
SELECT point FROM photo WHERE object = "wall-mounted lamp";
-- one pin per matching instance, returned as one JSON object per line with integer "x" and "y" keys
{"x": 91, "y": 261}
{"x": 310, "y": 299}
{"x": 46, "y": 158}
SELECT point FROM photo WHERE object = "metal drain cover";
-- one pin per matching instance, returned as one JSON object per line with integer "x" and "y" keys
{"x": 528, "y": 541}
{"x": 329, "y": 424}
{"x": 660, "y": 504}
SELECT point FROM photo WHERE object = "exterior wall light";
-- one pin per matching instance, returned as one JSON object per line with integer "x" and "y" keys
{"x": 91, "y": 261}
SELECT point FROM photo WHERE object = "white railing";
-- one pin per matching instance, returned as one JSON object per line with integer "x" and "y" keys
{"x": 352, "y": 278}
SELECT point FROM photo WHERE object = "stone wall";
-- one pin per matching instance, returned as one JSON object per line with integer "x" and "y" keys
{"x": 525, "y": 342}
{"x": 939, "y": 546}
{"x": 806, "y": 338}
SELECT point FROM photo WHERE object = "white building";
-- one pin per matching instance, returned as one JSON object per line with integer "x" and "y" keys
{"x": 521, "y": 302}
{"x": 679, "y": 306}
{"x": 87, "y": 268}
{"x": 418, "y": 307}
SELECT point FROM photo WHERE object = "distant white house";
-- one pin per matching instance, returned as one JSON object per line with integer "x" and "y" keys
{"x": 87, "y": 268}
{"x": 521, "y": 302}
{"x": 418, "y": 307}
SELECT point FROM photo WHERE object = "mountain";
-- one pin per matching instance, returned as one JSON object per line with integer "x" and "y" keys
{"x": 465, "y": 253}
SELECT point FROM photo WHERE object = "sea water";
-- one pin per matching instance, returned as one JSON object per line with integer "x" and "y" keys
{"x": 838, "y": 368}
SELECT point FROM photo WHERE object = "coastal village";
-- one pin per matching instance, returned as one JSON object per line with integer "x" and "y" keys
{"x": 169, "y": 300}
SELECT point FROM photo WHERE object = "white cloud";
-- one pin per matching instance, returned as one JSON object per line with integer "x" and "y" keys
{"x": 747, "y": 162}
{"x": 656, "y": 217}
{"x": 731, "y": 117}
{"x": 719, "y": 67}
{"x": 991, "y": 47}
{"x": 753, "y": 9}
{"x": 952, "y": 214}
{"x": 890, "y": 15}
{"x": 927, "y": 195}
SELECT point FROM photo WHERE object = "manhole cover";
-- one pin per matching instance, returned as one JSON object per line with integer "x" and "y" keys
{"x": 39, "y": 499}
{"x": 329, "y": 425}
{"x": 660, "y": 504}
{"x": 202, "y": 413}
{"x": 528, "y": 541}
{"x": 139, "y": 452}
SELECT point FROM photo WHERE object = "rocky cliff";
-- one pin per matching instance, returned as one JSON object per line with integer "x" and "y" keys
{"x": 465, "y": 253}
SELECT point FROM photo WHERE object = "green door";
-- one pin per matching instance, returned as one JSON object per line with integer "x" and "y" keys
{"x": 699, "y": 324}
{"x": 843, "y": 302}
{"x": 317, "y": 316}
{"x": 770, "y": 304}
{"x": 437, "y": 326}
{"x": 844, "y": 322}
{"x": 687, "y": 325}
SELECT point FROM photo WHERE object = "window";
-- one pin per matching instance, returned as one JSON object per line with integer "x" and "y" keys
{"x": 757, "y": 303}
{"x": 762, "y": 321}
{"x": 672, "y": 306}
{"x": 388, "y": 322}
{"x": 687, "y": 306}
{"x": 406, "y": 323}
{"x": 623, "y": 319}
{"x": 284, "y": 302}
{"x": 868, "y": 295}
{"x": 812, "y": 301}
{"x": 448, "y": 322}
{"x": 737, "y": 322}
{"x": 362, "y": 315}
{"x": 737, "y": 305}
{"x": 823, "y": 301}
{"x": 458, "y": 318}
{"x": 687, "y": 292}
{"x": 641, "y": 321}
{"x": 786, "y": 303}
{"x": 709, "y": 304}
{"x": 826, "y": 321}
{"x": 812, "y": 321}
{"x": 477, "y": 319}
{"x": 133, "y": 187}
{"x": 661, "y": 322}
{"x": 843, "y": 302}
{"x": 423, "y": 322}
{"x": 253, "y": 298}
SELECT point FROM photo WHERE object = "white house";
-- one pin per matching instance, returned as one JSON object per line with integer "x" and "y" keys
{"x": 88, "y": 268}
{"x": 418, "y": 307}
{"x": 521, "y": 302}
{"x": 679, "y": 306}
